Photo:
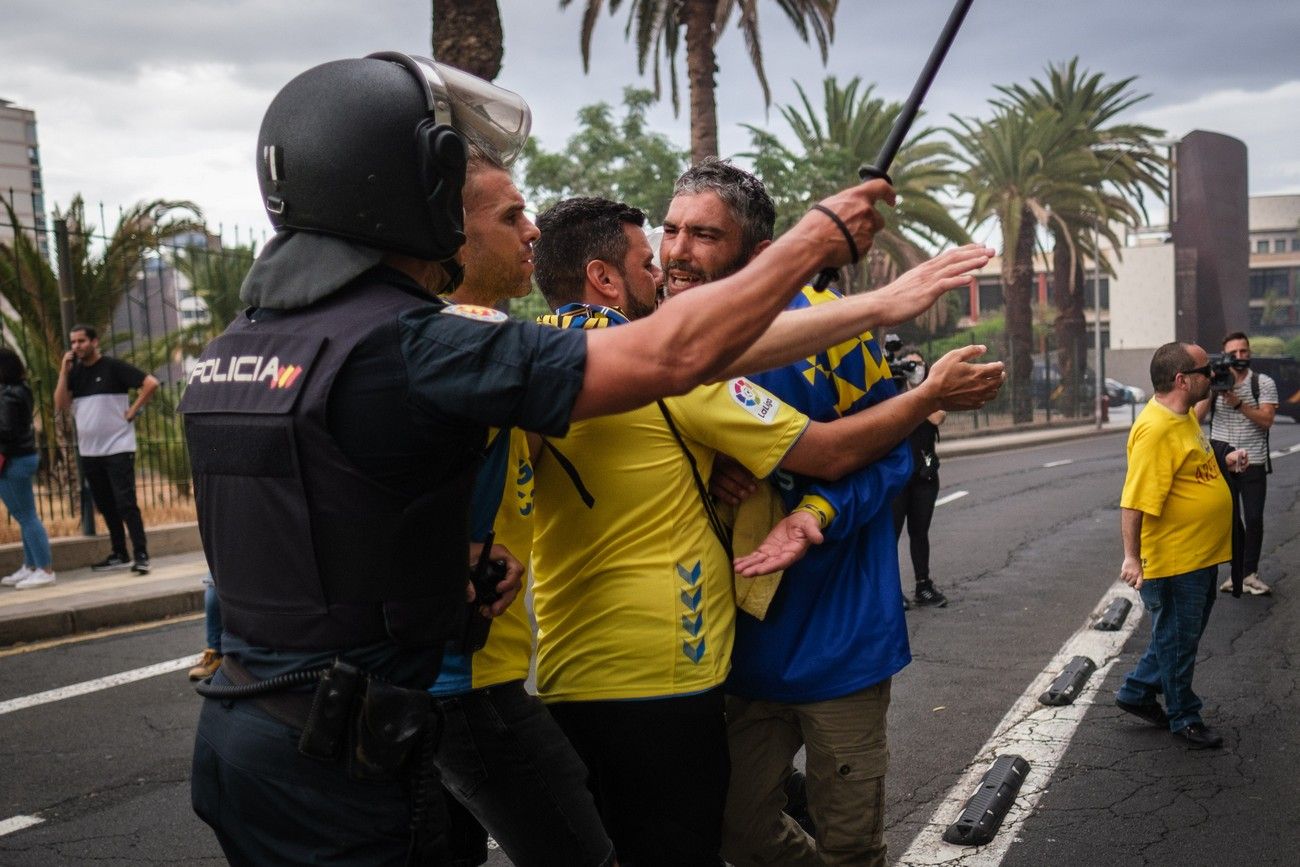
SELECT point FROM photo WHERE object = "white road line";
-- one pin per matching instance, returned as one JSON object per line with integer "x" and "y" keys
{"x": 17, "y": 823}
{"x": 88, "y": 686}
{"x": 955, "y": 495}
{"x": 1038, "y": 732}
{"x": 1058, "y": 463}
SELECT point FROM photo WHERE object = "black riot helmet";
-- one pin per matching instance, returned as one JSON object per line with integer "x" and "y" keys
{"x": 374, "y": 150}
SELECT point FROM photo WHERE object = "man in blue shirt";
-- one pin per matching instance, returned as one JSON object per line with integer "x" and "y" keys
{"x": 815, "y": 671}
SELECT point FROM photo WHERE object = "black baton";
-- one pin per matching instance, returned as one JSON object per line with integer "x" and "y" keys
{"x": 906, "y": 117}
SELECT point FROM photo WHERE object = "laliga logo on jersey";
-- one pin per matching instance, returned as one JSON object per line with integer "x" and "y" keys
{"x": 763, "y": 407}
{"x": 247, "y": 368}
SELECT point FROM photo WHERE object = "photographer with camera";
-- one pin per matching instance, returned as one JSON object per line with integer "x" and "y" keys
{"x": 914, "y": 505}
{"x": 1241, "y": 408}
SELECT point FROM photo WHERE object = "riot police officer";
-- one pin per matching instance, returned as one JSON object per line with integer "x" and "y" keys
{"x": 334, "y": 431}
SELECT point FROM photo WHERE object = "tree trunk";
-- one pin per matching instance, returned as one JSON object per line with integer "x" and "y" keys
{"x": 700, "y": 68}
{"x": 1070, "y": 327}
{"x": 1018, "y": 284}
{"x": 467, "y": 35}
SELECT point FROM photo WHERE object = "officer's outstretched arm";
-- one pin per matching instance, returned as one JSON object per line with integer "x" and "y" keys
{"x": 692, "y": 340}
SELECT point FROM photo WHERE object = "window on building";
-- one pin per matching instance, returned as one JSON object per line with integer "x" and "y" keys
{"x": 36, "y": 179}
{"x": 1295, "y": 244}
{"x": 1261, "y": 246}
{"x": 1266, "y": 282}
{"x": 1279, "y": 245}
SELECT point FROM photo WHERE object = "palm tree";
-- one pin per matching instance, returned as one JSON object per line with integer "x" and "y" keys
{"x": 1023, "y": 169}
{"x": 1128, "y": 167}
{"x": 467, "y": 35}
{"x": 847, "y": 132}
{"x": 658, "y": 25}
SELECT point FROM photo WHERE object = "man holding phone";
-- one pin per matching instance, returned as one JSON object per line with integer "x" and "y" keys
{"x": 95, "y": 387}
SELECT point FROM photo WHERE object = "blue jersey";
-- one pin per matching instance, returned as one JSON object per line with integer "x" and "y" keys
{"x": 836, "y": 624}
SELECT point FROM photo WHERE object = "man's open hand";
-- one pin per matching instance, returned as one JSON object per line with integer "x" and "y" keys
{"x": 788, "y": 541}
{"x": 959, "y": 384}
{"x": 917, "y": 290}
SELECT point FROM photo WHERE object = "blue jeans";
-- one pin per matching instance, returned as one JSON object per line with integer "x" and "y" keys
{"x": 16, "y": 492}
{"x": 212, "y": 617}
{"x": 1179, "y": 607}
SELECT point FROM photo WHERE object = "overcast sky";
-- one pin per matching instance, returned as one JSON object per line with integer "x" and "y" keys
{"x": 140, "y": 100}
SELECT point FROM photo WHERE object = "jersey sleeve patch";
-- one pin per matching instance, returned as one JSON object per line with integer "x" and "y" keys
{"x": 474, "y": 311}
{"x": 754, "y": 400}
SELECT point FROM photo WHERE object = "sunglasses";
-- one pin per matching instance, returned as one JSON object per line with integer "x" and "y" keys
{"x": 1203, "y": 370}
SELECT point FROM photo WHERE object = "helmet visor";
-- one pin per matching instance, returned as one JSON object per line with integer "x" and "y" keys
{"x": 490, "y": 117}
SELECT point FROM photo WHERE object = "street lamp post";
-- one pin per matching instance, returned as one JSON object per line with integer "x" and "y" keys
{"x": 1100, "y": 389}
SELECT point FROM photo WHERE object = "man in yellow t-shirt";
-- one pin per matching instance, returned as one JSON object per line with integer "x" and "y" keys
{"x": 632, "y": 589}
{"x": 1175, "y": 515}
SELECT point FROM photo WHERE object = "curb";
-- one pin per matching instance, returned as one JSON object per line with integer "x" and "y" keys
{"x": 76, "y": 552}
{"x": 77, "y": 617}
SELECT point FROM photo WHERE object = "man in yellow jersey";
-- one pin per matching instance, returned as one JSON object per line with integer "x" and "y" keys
{"x": 1175, "y": 515}
{"x": 633, "y": 588}
{"x": 504, "y": 760}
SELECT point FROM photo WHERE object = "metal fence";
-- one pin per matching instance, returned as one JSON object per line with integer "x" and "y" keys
{"x": 1057, "y": 397}
{"x": 156, "y": 286}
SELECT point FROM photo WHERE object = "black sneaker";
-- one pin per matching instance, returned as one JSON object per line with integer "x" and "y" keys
{"x": 1198, "y": 737}
{"x": 110, "y": 563}
{"x": 796, "y": 802}
{"x": 1152, "y": 712}
{"x": 928, "y": 597}
{"x": 141, "y": 564}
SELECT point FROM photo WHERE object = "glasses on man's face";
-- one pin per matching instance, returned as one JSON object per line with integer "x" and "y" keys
{"x": 1203, "y": 370}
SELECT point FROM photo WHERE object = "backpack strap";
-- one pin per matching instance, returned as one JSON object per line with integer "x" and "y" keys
{"x": 715, "y": 522}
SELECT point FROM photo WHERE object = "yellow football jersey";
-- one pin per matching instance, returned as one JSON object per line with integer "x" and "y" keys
{"x": 1174, "y": 480}
{"x": 633, "y": 595}
{"x": 508, "y": 652}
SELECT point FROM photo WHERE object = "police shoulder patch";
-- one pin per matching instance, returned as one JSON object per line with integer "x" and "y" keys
{"x": 754, "y": 400}
{"x": 475, "y": 311}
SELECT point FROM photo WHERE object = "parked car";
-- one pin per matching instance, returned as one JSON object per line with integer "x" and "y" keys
{"x": 1123, "y": 395}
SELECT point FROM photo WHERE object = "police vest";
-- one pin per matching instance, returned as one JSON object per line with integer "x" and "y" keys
{"x": 307, "y": 552}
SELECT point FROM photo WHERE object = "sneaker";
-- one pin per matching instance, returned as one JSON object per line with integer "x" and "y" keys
{"x": 1226, "y": 586}
{"x": 141, "y": 564}
{"x": 1152, "y": 712}
{"x": 12, "y": 580}
{"x": 1198, "y": 737}
{"x": 38, "y": 578}
{"x": 110, "y": 563}
{"x": 927, "y": 596}
{"x": 1252, "y": 585}
{"x": 207, "y": 666}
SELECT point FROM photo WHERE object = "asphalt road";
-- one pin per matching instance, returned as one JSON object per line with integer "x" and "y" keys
{"x": 1025, "y": 555}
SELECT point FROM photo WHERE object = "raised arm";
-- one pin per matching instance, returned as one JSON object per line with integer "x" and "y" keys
{"x": 62, "y": 394}
{"x": 693, "y": 340}
{"x": 796, "y": 334}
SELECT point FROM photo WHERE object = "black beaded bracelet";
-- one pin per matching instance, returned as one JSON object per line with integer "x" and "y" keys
{"x": 848, "y": 236}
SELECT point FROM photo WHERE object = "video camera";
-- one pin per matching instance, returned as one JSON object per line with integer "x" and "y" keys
{"x": 899, "y": 369}
{"x": 1222, "y": 366}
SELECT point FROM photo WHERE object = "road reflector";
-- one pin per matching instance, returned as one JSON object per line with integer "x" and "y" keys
{"x": 1113, "y": 617}
{"x": 982, "y": 816}
{"x": 1065, "y": 689}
